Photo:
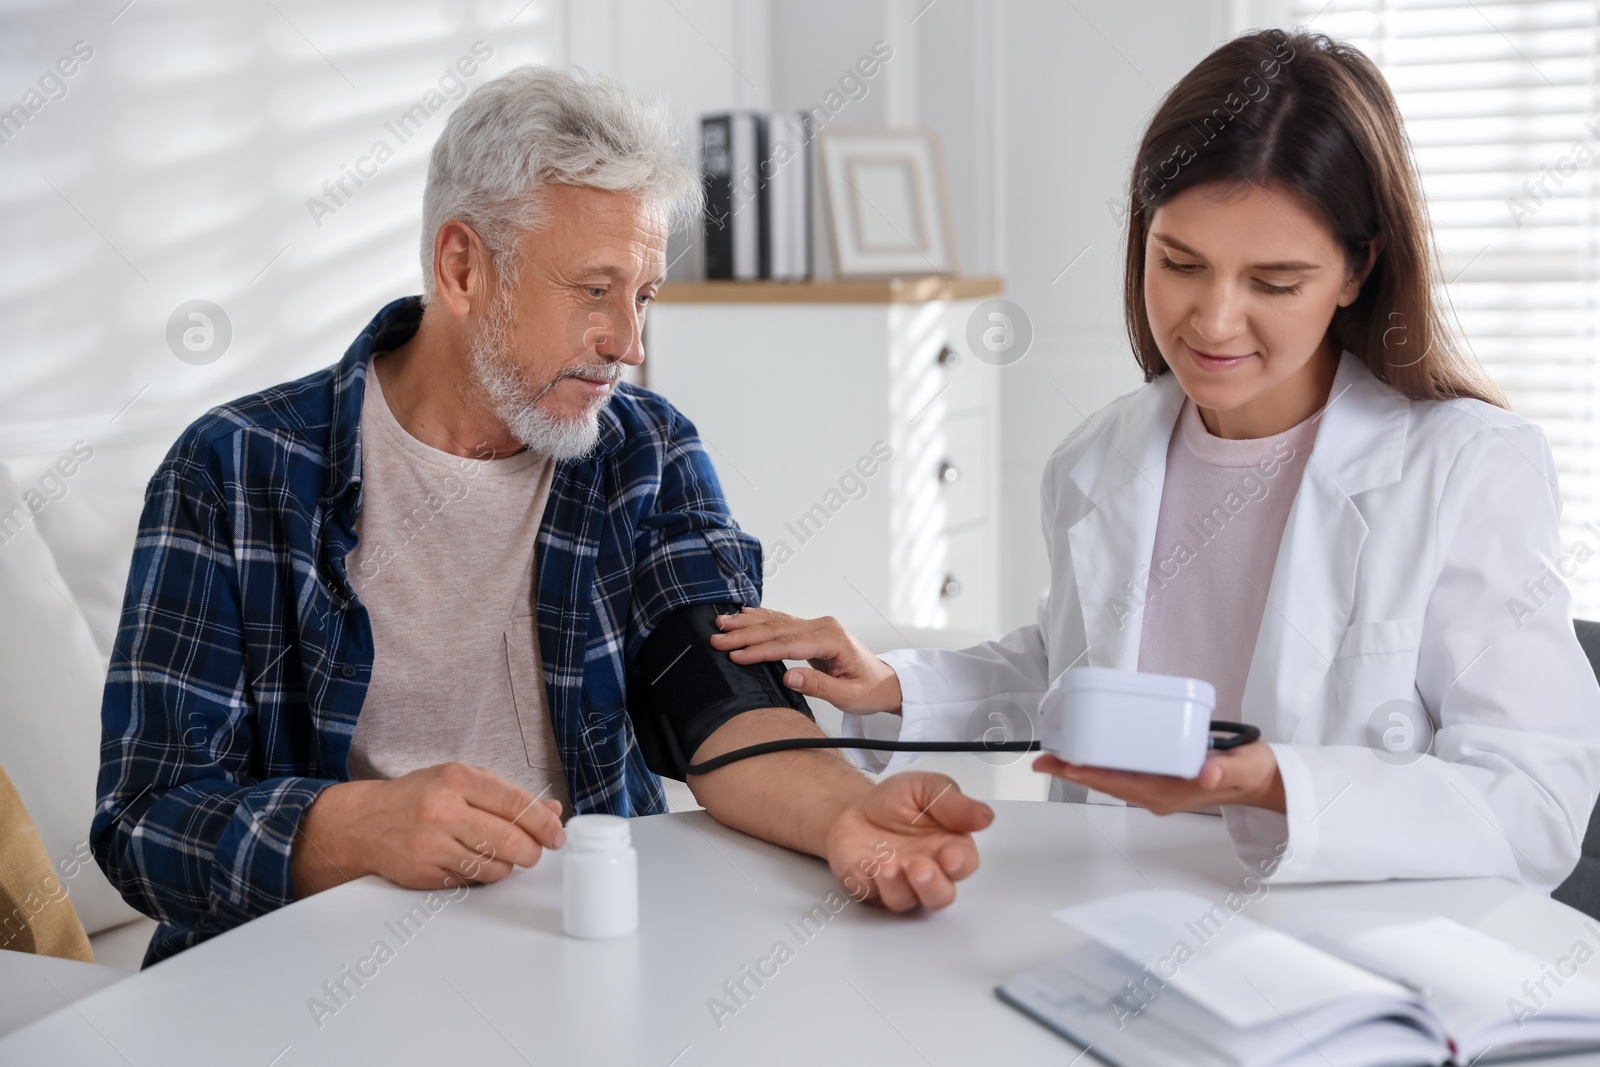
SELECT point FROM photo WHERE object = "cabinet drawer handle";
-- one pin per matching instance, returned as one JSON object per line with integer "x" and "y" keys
{"x": 951, "y": 586}
{"x": 949, "y": 472}
{"x": 947, "y": 358}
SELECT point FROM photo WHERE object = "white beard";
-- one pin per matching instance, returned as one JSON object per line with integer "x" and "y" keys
{"x": 516, "y": 403}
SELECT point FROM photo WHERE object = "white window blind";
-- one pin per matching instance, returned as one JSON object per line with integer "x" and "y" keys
{"x": 1502, "y": 105}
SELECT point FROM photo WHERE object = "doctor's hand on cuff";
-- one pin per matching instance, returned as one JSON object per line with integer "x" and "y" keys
{"x": 843, "y": 671}
{"x": 1247, "y": 775}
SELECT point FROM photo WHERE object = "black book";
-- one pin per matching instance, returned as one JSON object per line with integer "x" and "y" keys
{"x": 730, "y": 153}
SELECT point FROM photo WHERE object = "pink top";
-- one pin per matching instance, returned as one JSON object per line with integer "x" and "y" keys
{"x": 1223, "y": 509}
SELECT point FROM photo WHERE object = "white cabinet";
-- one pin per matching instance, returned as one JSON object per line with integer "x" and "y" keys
{"x": 854, "y": 434}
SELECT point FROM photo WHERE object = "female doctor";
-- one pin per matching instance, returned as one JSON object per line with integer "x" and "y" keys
{"x": 1317, "y": 503}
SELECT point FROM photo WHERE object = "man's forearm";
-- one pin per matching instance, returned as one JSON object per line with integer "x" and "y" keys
{"x": 321, "y": 857}
{"x": 788, "y": 798}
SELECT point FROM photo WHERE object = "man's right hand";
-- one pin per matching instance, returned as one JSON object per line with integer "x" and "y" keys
{"x": 439, "y": 826}
{"x": 843, "y": 671}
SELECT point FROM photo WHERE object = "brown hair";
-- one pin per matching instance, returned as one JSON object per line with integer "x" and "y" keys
{"x": 1300, "y": 111}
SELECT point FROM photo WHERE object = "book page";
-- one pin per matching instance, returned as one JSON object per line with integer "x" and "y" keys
{"x": 1241, "y": 971}
{"x": 1484, "y": 990}
{"x": 1071, "y": 994}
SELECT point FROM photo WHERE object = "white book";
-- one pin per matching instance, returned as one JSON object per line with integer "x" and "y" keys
{"x": 785, "y": 181}
{"x": 1168, "y": 978}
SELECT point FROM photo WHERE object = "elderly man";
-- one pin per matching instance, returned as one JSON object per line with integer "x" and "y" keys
{"x": 387, "y": 619}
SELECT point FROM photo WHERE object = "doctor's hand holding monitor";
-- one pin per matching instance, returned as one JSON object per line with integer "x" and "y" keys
{"x": 1318, "y": 503}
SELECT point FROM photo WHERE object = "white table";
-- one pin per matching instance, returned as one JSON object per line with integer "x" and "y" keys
{"x": 490, "y": 979}
{"x": 32, "y": 987}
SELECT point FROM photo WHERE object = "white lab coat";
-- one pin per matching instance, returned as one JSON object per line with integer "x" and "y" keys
{"x": 1401, "y": 576}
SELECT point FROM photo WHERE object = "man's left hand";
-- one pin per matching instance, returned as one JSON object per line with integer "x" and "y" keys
{"x": 907, "y": 841}
{"x": 1246, "y": 775}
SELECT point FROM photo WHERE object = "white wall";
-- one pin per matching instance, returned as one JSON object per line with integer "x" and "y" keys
{"x": 178, "y": 166}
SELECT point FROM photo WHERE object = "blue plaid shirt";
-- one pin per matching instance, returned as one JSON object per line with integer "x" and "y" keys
{"x": 243, "y": 655}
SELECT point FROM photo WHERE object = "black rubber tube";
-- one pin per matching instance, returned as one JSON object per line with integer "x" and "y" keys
{"x": 1239, "y": 734}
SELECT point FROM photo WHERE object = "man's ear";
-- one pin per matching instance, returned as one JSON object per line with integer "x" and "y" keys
{"x": 1354, "y": 281}
{"x": 460, "y": 267}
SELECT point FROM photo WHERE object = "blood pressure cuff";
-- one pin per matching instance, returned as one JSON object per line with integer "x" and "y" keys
{"x": 681, "y": 689}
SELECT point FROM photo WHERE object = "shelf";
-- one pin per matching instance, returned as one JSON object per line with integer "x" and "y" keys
{"x": 885, "y": 291}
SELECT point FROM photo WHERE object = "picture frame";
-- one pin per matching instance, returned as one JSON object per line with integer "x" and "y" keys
{"x": 886, "y": 202}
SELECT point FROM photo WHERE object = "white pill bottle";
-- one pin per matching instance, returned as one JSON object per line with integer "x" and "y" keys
{"x": 600, "y": 879}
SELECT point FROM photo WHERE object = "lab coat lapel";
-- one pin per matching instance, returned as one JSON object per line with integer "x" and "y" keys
{"x": 1360, "y": 445}
{"x": 1121, "y": 474}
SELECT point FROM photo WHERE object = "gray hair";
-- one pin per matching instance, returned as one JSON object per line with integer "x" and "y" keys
{"x": 534, "y": 126}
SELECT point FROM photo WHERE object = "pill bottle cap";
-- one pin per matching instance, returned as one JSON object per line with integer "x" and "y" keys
{"x": 598, "y": 833}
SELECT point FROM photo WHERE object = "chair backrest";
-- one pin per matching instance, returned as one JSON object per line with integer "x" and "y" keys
{"x": 1581, "y": 890}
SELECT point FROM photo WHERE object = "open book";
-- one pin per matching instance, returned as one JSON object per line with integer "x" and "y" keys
{"x": 1166, "y": 977}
